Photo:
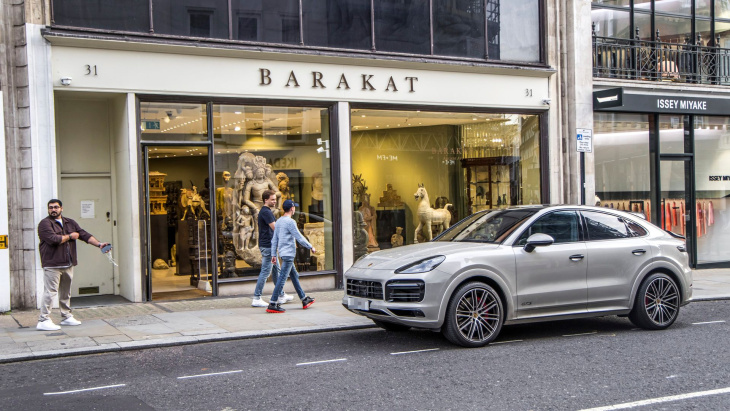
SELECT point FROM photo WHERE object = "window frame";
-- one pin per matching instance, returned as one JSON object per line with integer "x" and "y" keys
{"x": 621, "y": 218}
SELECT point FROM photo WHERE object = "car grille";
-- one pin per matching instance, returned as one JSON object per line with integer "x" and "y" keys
{"x": 405, "y": 291}
{"x": 365, "y": 289}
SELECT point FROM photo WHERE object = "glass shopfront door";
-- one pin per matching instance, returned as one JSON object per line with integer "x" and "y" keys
{"x": 179, "y": 231}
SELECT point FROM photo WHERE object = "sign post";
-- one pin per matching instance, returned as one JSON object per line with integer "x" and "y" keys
{"x": 585, "y": 145}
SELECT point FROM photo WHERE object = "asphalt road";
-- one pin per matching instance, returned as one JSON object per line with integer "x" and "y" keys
{"x": 568, "y": 365}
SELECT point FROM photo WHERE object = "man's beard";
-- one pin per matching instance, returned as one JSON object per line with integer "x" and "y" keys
{"x": 54, "y": 214}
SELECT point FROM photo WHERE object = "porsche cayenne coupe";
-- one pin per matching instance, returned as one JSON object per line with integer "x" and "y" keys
{"x": 522, "y": 265}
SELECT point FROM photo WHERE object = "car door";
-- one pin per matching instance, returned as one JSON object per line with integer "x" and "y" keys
{"x": 616, "y": 255}
{"x": 552, "y": 279}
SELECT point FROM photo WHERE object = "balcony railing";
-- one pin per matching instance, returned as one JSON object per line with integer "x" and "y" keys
{"x": 660, "y": 61}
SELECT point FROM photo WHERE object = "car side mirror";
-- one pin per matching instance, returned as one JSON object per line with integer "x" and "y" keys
{"x": 538, "y": 240}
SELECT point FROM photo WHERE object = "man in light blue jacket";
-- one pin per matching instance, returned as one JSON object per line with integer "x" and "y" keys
{"x": 286, "y": 235}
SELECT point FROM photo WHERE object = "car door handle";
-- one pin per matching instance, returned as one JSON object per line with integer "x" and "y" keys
{"x": 638, "y": 251}
{"x": 576, "y": 257}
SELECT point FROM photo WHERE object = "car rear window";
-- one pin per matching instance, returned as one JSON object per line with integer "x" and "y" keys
{"x": 603, "y": 226}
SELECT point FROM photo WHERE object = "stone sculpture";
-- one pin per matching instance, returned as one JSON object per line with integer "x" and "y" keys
{"x": 428, "y": 216}
{"x": 396, "y": 240}
{"x": 359, "y": 236}
{"x": 368, "y": 215}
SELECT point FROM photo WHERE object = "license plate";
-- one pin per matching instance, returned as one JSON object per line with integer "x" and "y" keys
{"x": 358, "y": 303}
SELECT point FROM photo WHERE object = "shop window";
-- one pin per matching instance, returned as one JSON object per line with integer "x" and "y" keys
{"x": 455, "y": 163}
{"x": 712, "y": 182}
{"x": 194, "y": 18}
{"x": 518, "y": 26}
{"x": 671, "y": 134}
{"x": 160, "y": 121}
{"x": 284, "y": 149}
{"x": 621, "y": 156}
{"x": 248, "y": 28}
{"x": 121, "y": 15}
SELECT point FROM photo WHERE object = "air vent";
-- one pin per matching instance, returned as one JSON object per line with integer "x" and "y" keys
{"x": 88, "y": 290}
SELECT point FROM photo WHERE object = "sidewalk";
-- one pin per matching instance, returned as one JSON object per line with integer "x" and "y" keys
{"x": 157, "y": 324}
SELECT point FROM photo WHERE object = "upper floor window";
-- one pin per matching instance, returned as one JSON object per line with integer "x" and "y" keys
{"x": 503, "y": 30}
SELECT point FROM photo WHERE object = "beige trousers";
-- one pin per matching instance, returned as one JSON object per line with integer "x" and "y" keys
{"x": 56, "y": 281}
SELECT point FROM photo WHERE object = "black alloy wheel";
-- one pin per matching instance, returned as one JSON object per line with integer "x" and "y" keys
{"x": 474, "y": 316}
{"x": 657, "y": 303}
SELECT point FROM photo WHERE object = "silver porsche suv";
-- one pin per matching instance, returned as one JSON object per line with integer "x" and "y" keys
{"x": 521, "y": 265}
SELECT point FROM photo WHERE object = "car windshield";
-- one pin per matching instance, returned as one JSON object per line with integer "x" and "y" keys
{"x": 487, "y": 227}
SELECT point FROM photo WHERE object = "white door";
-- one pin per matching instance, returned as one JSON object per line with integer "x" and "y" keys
{"x": 94, "y": 195}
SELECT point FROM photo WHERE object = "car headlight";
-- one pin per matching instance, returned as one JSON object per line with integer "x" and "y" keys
{"x": 421, "y": 266}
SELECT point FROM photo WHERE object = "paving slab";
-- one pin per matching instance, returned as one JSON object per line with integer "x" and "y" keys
{"x": 90, "y": 328}
{"x": 108, "y": 339}
{"x": 61, "y": 344}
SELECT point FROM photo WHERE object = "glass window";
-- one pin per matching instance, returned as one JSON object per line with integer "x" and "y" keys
{"x": 492, "y": 227}
{"x": 642, "y": 5}
{"x": 455, "y": 163}
{"x": 337, "y": 23}
{"x": 636, "y": 229}
{"x": 704, "y": 36}
{"x": 683, "y": 7}
{"x": 604, "y": 226}
{"x": 712, "y": 154}
{"x": 722, "y": 30}
{"x": 271, "y": 21}
{"x": 458, "y": 28}
{"x": 642, "y": 21}
{"x": 722, "y": 9}
{"x": 562, "y": 226}
{"x": 517, "y": 23}
{"x": 403, "y": 26}
{"x": 612, "y": 23}
{"x": 621, "y": 156}
{"x": 702, "y": 7}
{"x": 122, "y": 15}
{"x": 192, "y": 18}
{"x": 671, "y": 134}
{"x": 173, "y": 121}
{"x": 674, "y": 29}
{"x": 284, "y": 149}
{"x": 615, "y": 3}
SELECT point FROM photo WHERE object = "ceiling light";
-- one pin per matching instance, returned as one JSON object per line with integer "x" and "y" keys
{"x": 237, "y": 112}
{"x": 237, "y": 128}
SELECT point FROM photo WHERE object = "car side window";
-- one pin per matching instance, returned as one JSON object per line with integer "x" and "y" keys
{"x": 603, "y": 226}
{"x": 636, "y": 229}
{"x": 562, "y": 226}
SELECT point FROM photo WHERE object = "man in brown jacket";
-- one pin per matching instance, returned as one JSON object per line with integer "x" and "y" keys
{"x": 58, "y": 237}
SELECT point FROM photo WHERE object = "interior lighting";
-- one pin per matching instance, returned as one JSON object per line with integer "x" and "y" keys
{"x": 237, "y": 128}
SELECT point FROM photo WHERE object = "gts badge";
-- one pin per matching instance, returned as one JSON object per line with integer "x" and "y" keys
{"x": 527, "y": 303}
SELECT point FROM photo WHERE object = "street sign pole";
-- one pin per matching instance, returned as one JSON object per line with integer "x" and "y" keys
{"x": 584, "y": 145}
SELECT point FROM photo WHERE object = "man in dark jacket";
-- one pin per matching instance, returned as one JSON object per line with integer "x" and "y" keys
{"x": 58, "y": 237}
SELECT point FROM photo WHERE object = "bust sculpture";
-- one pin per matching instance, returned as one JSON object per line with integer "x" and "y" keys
{"x": 396, "y": 240}
{"x": 368, "y": 214}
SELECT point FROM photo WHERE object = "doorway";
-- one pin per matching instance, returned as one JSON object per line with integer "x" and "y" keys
{"x": 179, "y": 231}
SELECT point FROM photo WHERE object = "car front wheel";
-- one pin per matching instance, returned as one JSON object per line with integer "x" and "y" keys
{"x": 474, "y": 315}
{"x": 657, "y": 303}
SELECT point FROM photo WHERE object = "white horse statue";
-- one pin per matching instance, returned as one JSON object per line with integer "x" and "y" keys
{"x": 428, "y": 216}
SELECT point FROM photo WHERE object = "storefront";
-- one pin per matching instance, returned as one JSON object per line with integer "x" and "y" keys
{"x": 666, "y": 156}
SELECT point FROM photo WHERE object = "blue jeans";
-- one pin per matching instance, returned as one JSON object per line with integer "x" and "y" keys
{"x": 287, "y": 267}
{"x": 266, "y": 271}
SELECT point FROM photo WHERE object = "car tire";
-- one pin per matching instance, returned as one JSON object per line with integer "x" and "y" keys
{"x": 656, "y": 306}
{"x": 474, "y": 316}
{"x": 391, "y": 326}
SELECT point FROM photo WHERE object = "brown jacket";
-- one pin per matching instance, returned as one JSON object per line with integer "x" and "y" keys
{"x": 53, "y": 253}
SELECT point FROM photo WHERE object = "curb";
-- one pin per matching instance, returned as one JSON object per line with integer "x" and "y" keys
{"x": 178, "y": 341}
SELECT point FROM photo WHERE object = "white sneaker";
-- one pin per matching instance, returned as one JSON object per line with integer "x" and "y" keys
{"x": 70, "y": 321}
{"x": 287, "y": 297}
{"x": 47, "y": 325}
{"x": 258, "y": 302}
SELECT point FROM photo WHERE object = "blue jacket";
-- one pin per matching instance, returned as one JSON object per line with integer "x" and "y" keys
{"x": 286, "y": 235}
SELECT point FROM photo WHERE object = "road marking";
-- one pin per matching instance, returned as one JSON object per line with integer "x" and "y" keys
{"x": 209, "y": 374}
{"x": 415, "y": 351}
{"x": 321, "y": 362}
{"x": 576, "y": 335}
{"x": 505, "y": 342}
{"x": 709, "y": 322}
{"x": 84, "y": 389}
{"x": 660, "y": 400}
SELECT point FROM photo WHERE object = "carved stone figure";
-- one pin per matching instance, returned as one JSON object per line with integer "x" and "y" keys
{"x": 315, "y": 233}
{"x": 160, "y": 264}
{"x": 368, "y": 215}
{"x": 282, "y": 181}
{"x": 359, "y": 236}
{"x": 428, "y": 216}
{"x": 224, "y": 197}
{"x": 317, "y": 205}
{"x": 390, "y": 198}
{"x": 246, "y": 232}
{"x": 396, "y": 240}
{"x": 173, "y": 255}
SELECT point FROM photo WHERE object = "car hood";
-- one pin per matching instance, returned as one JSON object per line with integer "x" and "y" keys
{"x": 394, "y": 258}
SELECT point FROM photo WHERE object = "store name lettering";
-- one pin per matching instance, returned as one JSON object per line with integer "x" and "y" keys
{"x": 719, "y": 178}
{"x": 367, "y": 82}
{"x": 681, "y": 104}
{"x": 446, "y": 151}
{"x": 284, "y": 162}
{"x": 384, "y": 157}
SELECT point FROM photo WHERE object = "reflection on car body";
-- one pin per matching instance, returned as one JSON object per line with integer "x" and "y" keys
{"x": 525, "y": 264}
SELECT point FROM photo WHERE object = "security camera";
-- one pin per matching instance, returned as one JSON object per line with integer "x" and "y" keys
{"x": 66, "y": 81}
{"x": 546, "y": 101}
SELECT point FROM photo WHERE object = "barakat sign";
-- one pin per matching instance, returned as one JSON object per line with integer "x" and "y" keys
{"x": 315, "y": 79}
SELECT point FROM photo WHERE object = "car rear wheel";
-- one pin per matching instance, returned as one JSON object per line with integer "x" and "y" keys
{"x": 474, "y": 316}
{"x": 391, "y": 326}
{"x": 657, "y": 303}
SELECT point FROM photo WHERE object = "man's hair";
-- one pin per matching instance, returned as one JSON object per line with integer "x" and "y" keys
{"x": 266, "y": 194}
{"x": 55, "y": 200}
